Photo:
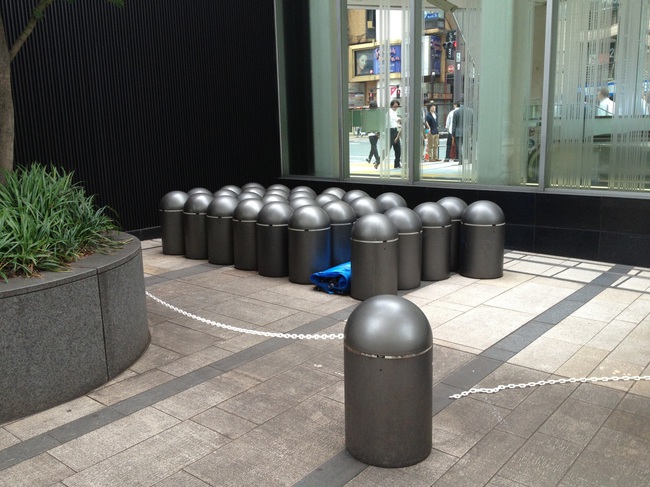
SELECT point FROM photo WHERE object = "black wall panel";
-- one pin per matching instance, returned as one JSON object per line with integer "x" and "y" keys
{"x": 150, "y": 98}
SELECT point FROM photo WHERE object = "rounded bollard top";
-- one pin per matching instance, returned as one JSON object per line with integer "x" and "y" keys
{"x": 278, "y": 191}
{"x": 254, "y": 189}
{"x": 375, "y": 227}
{"x": 275, "y": 213}
{"x": 299, "y": 202}
{"x": 281, "y": 187}
{"x": 294, "y": 195}
{"x": 252, "y": 185}
{"x": 405, "y": 219}
{"x": 173, "y": 201}
{"x": 248, "y": 195}
{"x": 232, "y": 187}
{"x": 340, "y": 212}
{"x": 336, "y": 191}
{"x": 273, "y": 197}
{"x": 247, "y": 210}
{"x": 388, "y": 326}
{"x": 365, "y": 205}
{"x": 223, "y": 206}
{"x": 199, "y": 190}
{"x": 198, "y": 203}
{"x": 391, "y": 200}
{"x": 324, "y": 198}
{"x": 224, "y": 192}
{"x": 483, "y": 213}
{"x": 304, "y": 189}
{"x": 433, "y": 215}
{"x": 309, "y": 217}
{"x": 353, "y": 194}
{"x": 454, "y": 206}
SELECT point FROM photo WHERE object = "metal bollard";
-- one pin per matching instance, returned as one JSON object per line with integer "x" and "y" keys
{"x": 273, "y": 239}
{"x": 219, "y": 229}
{"x": 244, "y": 238}
{"x": 436, "y": 238}
{"x": 388, "y": 380}
{"x": 171, "y": 222}
{"x": 409, "y": 245}
{"x": 342, "y": 217}
{"x": 194, "y": 225}
{"x": 482, "y": 240}
{"x": 309, "y": 243}
{"x": 455, "y": 207}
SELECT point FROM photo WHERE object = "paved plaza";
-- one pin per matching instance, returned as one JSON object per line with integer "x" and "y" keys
{"x": 207, "y": 406}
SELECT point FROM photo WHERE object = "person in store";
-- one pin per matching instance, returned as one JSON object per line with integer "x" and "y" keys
{"x": 461, "y": 126}
{"x": 373, "y": 138}
{"x": 605, "y": 103}
{"x": 449, "y": 125}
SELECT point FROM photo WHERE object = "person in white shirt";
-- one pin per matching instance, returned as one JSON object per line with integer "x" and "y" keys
{"x": 449, "y": 126}
{"x": 395, "y": 125}
{"x": 605, "y": 104}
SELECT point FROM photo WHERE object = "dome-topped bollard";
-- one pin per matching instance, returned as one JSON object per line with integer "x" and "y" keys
{"x": 244, "y": 237}
{"x": 374, "y": 257}
{"x": 388, "y": 380}
{"x": 219, "y": 229}
{"x": 342, "y": 217}
{"x": 482, "y": 240}
{"x": 409, "y": 245}
{"x": 309, "y": 243}
{"x": 436, "y": 239}
{"x": 455, "y": 207}
{"x": 273, "y": 239}
{"x": 171, "y": 222}
{"x": 194, "y": 225}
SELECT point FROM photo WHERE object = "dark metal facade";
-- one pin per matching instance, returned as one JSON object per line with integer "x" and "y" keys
{"x": 150, "y": 98}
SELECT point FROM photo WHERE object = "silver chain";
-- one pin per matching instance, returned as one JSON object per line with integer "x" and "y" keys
{"x": 479, "y": 390}
{"x": 339, "y": 336}
{"x": 292, "y": 336}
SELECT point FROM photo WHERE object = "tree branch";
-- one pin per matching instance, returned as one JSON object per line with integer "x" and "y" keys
{"x": 37, "y": 14}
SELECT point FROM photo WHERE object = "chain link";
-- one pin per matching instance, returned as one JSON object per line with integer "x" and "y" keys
{"x": 573, "y": 380}
{"x": 292, "y": 336}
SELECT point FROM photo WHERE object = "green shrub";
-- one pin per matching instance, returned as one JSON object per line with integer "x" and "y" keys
{"x": 47, "y": 221}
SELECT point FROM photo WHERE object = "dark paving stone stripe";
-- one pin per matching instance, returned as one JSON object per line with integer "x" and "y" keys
{"x": 26, "y": 449}
{"x": 86, "y": 424}
{"x": 336, "y": 472}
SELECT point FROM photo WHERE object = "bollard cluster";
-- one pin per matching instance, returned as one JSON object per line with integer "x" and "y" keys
{"x": 296, "y": 232}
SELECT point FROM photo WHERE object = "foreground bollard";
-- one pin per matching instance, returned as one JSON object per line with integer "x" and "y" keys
{"x": 388, "y": 380}
{"x": 482, "y": 241}
{"x": 171, "y": 222}
{"x": 374, "y": 257}
{"x": 409, "y": 231}
{"x": 455, "y": 207}
{"x": 194, "y": 225}
{"x": 309, "y": 243}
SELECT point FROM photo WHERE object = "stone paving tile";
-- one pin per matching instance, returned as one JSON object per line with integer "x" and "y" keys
{"x": 616, "y": 368}
{"x": 181, "y": 479}
{"x": 244, "y": 465}
{"x": 541, "y": 462}
{"x": 173, "y": 449}
{"x": 224, "y": 423}
{"x": 116, "y": 437}
{"x": 498, "y": 481}
{"x": 279, "y": 361}
{"x": 509, "y": 374}
{"x": 51, "y": 418}
{"x": 483, "y": 461}
{"x": 203, "y": 396}
{"x": 610, "y": 336}
{"x": 130, "y": 387}
{"x": 7, "y": 439}
{"x": 546, "y": 292}
{"x": 457, "y": 428}
{"x": 612, "y": 459}
{"x": 194, "y": 361}
{"x": 575, "y": 421}
{"x": 278, "y": 394}
{"x": 481, "y": 327}
{"x": 311, "y": 433}
{"x": 180, "y": 339}
{"x": 446, "y": 360}
{"x": 153, "y": 357}
{"x": 437, "y": 314}
{"x": 374, "y": 476}
{"x": 40, "y": 471}
{"x": 575, "y": 330}
{"x": 473, "y": 294}
{"x": 582, "y": 363}
{"x": 545, "y": 354}
{"x": 533, "y": 411}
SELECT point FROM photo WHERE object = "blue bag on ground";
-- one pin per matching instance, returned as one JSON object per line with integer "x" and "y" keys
{"x": 335, "y": 280}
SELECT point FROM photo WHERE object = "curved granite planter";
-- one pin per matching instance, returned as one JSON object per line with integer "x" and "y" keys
{"x": 65, "y": 334}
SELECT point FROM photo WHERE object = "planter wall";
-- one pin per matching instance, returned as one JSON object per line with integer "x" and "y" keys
{"x": 69, "y": 332}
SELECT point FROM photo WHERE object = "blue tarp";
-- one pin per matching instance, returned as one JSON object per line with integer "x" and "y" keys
{"x": 335, "y": 280}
